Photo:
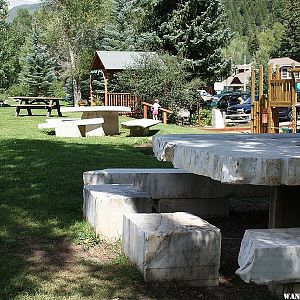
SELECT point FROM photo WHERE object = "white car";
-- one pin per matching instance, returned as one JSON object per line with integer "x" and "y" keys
{"x": 204, "y": 95}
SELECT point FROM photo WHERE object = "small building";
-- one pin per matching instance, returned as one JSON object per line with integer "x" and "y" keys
{"x": 240, "y": 79}
{"x": 111, "y": 62}
{"x": 285, "y": 64}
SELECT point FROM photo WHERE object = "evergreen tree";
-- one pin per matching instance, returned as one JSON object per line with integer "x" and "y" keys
{"x": 3, "y": 32}
{"x": 197, "y": 32}
{"x": 14, "y": 37}
{"x": 291, "y": 40}
{"x": 38, "y": 69}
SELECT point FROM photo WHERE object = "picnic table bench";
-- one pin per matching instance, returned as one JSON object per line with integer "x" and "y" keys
{"x": 139, "y": 127}
{"x": 75, "y": 127}
{"x": 3, "y": 103}
{"x": 30, "y": 103}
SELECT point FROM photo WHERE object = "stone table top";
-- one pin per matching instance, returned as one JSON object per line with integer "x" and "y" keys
{"x": 258, "y": 159}
{"x": 96, "y": 108}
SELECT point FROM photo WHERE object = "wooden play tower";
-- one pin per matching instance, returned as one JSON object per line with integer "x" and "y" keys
{"x": 280, "y": 93}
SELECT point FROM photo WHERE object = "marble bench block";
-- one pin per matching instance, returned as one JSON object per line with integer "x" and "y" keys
{"x": 270, "y": 256}
{"x": 104, "y": 206}
{"x": 173, "y": 247}
{"x": 178, "y": 189}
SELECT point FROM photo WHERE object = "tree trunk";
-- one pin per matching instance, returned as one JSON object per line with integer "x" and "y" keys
{"x": 75, "y": 81}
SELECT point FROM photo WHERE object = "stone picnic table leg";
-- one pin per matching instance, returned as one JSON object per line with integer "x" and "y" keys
{"x": 111, "y": 120}
{"x": 284, "y": 206}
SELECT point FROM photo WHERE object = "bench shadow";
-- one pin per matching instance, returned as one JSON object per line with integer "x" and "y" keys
{"x": 41, "y": 205}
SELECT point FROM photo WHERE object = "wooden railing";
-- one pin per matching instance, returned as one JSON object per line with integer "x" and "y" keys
{"x": 282, "y": 92}
{"x": 123, "y": 99}
{"x": 165, "y": 111}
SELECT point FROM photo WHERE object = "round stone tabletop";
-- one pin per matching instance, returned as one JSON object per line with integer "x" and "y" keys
{"x": 258, "y": 159}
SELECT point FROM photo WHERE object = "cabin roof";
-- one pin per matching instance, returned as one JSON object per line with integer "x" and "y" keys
{"x": 117, "y": 60}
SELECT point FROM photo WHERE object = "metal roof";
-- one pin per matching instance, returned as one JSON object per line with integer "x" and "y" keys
{"x": 118, "y": 60}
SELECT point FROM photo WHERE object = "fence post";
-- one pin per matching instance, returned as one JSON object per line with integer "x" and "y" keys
{"x": 145, "y": 112}
{"x": 164, "y": 117}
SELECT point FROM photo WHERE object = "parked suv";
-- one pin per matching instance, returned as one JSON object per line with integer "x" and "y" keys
{"x": 231, "y": 99}
{"x": 285, "y": 113}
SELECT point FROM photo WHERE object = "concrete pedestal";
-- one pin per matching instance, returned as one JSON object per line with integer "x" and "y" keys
{"x": 111, "y": 120}
{"x": 173, "y": 247}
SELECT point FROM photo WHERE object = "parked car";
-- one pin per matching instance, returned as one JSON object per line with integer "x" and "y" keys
{"x": 228, "y": 100}
{"x": 285, "y": 113}
{"x": 204, "y": 95}
{"x": 243, "y": 108}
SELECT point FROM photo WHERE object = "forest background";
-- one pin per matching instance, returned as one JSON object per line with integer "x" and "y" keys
{"x": 198, "y": 42}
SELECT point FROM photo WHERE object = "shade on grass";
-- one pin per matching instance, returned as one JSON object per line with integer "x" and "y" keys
{"x": 41, "y": 208}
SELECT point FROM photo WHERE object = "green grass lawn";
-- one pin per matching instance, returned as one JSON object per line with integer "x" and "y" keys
{"x": 47, "y": 250}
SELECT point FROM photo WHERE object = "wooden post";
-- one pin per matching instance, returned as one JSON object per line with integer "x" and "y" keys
{"x": 269, "y": 109}
{"x": 199, "y": 114}
{"x": 105, "y": 78}
{"x": 145, "y": 111}
{"x": 91, "y": 91}
{"x": 164, "y": 117}
{"x": 294, "y": 101}
{"x": 253, "y": 106}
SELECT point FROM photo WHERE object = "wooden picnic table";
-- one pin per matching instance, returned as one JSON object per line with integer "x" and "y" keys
{"x": 29, "y": 103}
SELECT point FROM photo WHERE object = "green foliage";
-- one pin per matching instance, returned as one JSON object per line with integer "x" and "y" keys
{"x": 38, "y": 68}
{"x": 11, "y": 42}
{"x": 291, "y": 40}
{"x": 164, "y": 77}
{"x": 84, "y": 235}
{"x": 196, "y": 31}
{"x": 258, "y": 29}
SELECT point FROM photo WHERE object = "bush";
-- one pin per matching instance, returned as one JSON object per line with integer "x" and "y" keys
{"x": 205, "y": 117}
{"x": 164, "y": 77}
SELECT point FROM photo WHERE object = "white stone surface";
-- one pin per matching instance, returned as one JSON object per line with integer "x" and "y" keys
{"x": 75, "y": 127}
{"x": 96, "y": 108}
{"x": 139, "y": 127}
{"x": 217, "y": 119}
{"x": 257, "y": 159}
{"x": 104, "y": 206}
{"x": 143, "y": 123}
{"x": 173, "y": 247}
{"x": 173, "y": 183}
{"x": 270, "y": 256}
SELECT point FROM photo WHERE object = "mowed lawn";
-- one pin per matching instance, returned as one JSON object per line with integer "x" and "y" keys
{"x": 47, "y": 250}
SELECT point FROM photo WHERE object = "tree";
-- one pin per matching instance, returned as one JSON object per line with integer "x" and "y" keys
{"x": 38, "y": 68}
{"x": 72, "y": 29}
{"x": 164, "y": 77}
{"x": 13, "y": 39}
{"x": 3, "y": 30}
{"x": 291, "y": 40}
{"x": 197, "y": 32}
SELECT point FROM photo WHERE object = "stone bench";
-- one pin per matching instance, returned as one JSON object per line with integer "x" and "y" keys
{"x": 139, "y": 127}
{"x": 178, "y": 189}
{"x": 75, "y": 127}
{"x": 104, "y": 206}
{"x": 173, "y": 247}
{"x": 271, "y": 257}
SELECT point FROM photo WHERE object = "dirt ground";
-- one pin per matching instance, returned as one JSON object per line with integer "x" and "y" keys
{"x": 244, "y": 215}
{"x": 88, "y": 274}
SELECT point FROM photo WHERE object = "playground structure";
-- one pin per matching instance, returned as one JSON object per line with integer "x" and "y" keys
{"x": 280, "y": 93}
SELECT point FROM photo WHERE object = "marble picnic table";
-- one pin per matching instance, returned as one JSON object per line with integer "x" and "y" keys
{"x": 255, "y": 159}
{"x": 110, "y": 115}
